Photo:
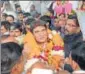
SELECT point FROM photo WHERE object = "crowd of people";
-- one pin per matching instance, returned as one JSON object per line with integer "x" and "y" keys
{"x": 42, "y": 44}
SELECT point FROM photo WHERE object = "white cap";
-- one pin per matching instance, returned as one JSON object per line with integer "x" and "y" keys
{"x": 60, "y": 52}
{"x": 79, "y": 72}
{"x": 30, "y": 63}
{"x": 41, "y": 71}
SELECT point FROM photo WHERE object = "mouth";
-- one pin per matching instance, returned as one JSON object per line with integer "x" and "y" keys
{"x": 41, "y": 38}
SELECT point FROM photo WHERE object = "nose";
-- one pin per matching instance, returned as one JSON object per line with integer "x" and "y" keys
{"x": 66, "y": 26}
{"x": 41, "y": 34}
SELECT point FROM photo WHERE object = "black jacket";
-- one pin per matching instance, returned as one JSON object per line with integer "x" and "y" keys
{"x": 69, "y": 40}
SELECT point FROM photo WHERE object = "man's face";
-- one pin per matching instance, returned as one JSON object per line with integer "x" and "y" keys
{"x": 15, "y": 33}
{"x": 56, "y": 23}
{"x": 32, "y": 7}
{"x": 19, "y": 9}
{"x": 84, "y": 5}
{"x": 67, "y": 1}
{"x": 20, "y": 17}
{"x": 61, "y": 16}
{"x": 58, "y": 2}
{"x": 3, "y": 18}
{"x": 61, "y": 23}
{"x": 71, "y": 27}
{"x": 3, "y": 30}
{"x": 10, "y": 19}
{"x": 12, "y": 33}
{"x": 40, "y": 34}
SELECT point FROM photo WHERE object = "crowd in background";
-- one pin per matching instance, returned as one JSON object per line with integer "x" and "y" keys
{"x": 42, "y": 44}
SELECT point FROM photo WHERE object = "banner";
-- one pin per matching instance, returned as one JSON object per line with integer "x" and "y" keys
{"x": 81, "y": 19}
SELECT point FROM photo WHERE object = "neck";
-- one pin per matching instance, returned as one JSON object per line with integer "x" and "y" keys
{"x": 43, "y": 45}
{"x": 78, "y": 31}
{"x": 78, "y": 68}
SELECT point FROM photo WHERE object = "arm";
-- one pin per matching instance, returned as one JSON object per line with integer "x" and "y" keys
{"x": 18, "y": 67}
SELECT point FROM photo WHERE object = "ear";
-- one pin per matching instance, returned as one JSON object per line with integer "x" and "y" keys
{"x": 78, "y": 30}
{"x": 75, "y": 66}
{"x": 47, "y": 24}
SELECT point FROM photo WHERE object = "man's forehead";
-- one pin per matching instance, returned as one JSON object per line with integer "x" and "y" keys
{"x": 37, "y": 22}
{"x": 39, "y": 28}
{"x": 71, "y": 20}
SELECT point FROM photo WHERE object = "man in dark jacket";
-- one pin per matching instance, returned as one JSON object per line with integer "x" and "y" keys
{"x": 72, "y": 34}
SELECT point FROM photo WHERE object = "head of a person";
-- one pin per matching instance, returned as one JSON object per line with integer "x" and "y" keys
{"x": 56, "y": 20}
{"x": 78, "y": 54}
{"x": 20, "y": 16}
{"x": 59, "y": 2}
{"x": 39, "y": 30}
{"x": 3, "y": 17}
{"x": 62, "y": 16}
{"x": 18, "y": 8}
{"x": 72, "y": 25}
{"x": 15, "y": 30}
{"x": 83, "y": 5}
{"x": 1, "y": 4}
{"x": 28, "y": 23}
{"x": 10, "y": 18}
{"x": 61, "y": 23}
{"x": 26, "y": 14}
{"x": 3, "y": 37}
{"x": 40, "y": 67}
{"x": 9, "y": 55}
{"x": 47, "y": 19}
{"x": 67, "y": 1}
{"x": 51, "y": 12}
{"x": 83, "y": 2}
{"x": 5, "y": 27}
{"x": 32, "y": 7}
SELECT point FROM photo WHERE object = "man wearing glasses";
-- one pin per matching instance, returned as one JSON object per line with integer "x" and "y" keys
{"x": 72, "y": 33}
